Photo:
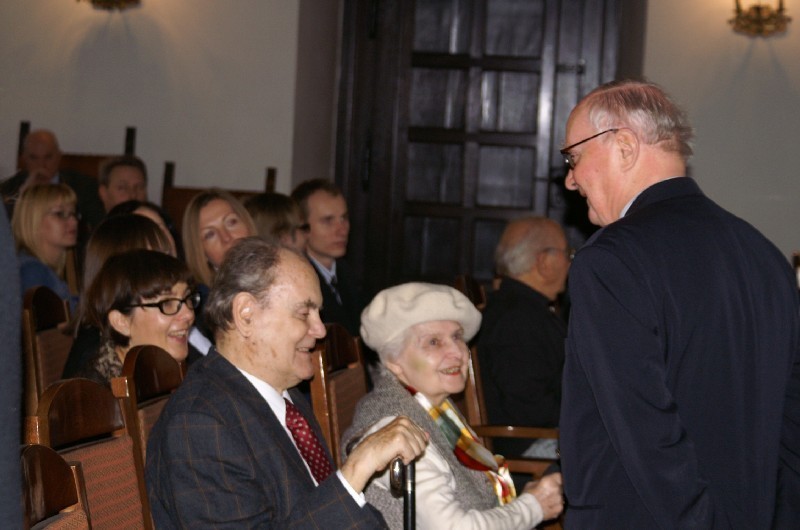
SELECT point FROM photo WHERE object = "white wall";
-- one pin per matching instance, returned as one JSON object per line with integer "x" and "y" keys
{"x": 743, "y": 97}
{"x": 209, "y": 84}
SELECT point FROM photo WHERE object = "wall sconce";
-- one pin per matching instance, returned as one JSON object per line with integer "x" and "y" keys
{"x": 110, "y": 5}
{"x": 760, "y": 20}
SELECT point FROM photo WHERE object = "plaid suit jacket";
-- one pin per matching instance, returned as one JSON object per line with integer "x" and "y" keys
{"x": 219, "y": 458}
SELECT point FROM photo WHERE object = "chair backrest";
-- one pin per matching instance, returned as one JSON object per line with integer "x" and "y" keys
{"x": 472, "y": 289}
{"x": 174, "y": 200}
{"x": 83, "y": 421}
{"x": 149, "y": 377}
{"x": 478, "y": 421}
{"x": 85, "y": 163}
{"x": 340, "y": 381}
{"x": 45, "y": 341}
{"x": 53, "y": 491}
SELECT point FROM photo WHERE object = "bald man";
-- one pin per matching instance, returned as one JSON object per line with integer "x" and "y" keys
{"x": 521, "y": 343}
{"x": 40, "y": 161}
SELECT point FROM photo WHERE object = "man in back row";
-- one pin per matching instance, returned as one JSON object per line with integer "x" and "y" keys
{"x": 681, "y": 398}
{"x": 521, "y": 343}
{"x": 325, "y": 211}
{"x": 237, "y": 446}
{"x": 41, "y": 157}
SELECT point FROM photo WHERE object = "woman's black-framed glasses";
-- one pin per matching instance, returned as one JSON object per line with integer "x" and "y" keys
{"x": 569, "y": 159}
{"x": 171, "y": 306}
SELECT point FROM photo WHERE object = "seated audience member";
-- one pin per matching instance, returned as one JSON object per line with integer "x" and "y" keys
{"x": 521, "y": 344}
{"x": 115, "y": 235}
{"x": 153, "y": 212}
{"x": 139, "y": 297}
{"x": 45, "y": 225}
{"x": 236, "y": 429}
{"x": 420, "y": 332}
{"x": 40, "y": 161}
{"x": 278, "y": 217}
{"x": 212, "y": 222}
{"x": 325, "y": 211}
{"x": 122, "y": 178}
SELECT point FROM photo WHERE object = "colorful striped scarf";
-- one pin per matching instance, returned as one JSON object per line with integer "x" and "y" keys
{"x": 467, "y": 449}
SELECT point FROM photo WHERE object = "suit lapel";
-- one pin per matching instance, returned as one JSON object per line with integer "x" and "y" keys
{"x": 238, "y": 385}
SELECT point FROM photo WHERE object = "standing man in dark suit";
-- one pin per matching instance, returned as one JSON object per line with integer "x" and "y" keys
{"x": 328, "y": 220}
{"x": 226, "y": 452}
{"x": 681, "y": 399}
{"x": 41, "y": 157}
{"x": 521, "y": 342}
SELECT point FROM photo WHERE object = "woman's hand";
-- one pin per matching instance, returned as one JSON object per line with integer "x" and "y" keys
{"x": 549, "y": 493}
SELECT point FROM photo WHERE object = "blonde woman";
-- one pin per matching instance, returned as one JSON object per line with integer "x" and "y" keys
{"x": 212, "y": 222}
{"x": 45, "y": 225}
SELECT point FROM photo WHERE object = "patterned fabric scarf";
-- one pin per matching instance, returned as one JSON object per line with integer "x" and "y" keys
{"x": 467, "y": 449}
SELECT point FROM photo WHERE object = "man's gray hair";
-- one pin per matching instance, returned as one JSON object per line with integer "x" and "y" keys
{"x": 517, "y": 250}
{"x": 644, "y": 108}
{"x": 249, "y": 267}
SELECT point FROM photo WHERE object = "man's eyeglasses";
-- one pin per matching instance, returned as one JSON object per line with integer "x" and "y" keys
{"x": 569, "y": 253}
{"x": 171, "y": 306}
{"x": 569, "y": 158}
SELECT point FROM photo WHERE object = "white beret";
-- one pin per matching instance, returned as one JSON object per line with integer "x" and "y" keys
{"x": 396, "y": 309}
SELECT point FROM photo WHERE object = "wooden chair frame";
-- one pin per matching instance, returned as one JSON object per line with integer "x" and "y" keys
{"x": 149, "y": 377}
{"x": 76, "y": 413}
{"x": 340, "y": 380}
{"x": 44, "y": 319}
{"x": 51, "y": 487}
{"x": 478, "y": 420}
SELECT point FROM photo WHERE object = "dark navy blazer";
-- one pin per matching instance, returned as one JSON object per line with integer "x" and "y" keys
{"x": 682, "y": 369}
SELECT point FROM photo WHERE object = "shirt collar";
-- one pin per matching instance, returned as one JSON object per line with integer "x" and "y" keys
{"x": 326, "y": 273}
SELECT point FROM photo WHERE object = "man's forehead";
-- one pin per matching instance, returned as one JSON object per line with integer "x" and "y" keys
{"x": 296, "y": 274}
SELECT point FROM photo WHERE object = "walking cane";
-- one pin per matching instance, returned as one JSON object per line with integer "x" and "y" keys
{"x": 401, "y": 480}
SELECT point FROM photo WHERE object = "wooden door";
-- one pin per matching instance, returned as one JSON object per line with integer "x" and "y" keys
{"x": 451, "y": 116}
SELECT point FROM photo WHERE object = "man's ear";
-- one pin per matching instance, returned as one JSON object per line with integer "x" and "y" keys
{"x": 628, "y": 146}
{"x": 243, "y": 308}
{"x": 120, "y": 322}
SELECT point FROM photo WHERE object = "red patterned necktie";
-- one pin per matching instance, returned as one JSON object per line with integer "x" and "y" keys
{"x": 308, "y": 443}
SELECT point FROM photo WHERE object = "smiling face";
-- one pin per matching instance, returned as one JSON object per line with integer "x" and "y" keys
{"x": 286, "y": 329}
{"x": 148, "y": 325}
{"x": 220, "y": 227}
{"x": 434, "y": 360}
{"x": 594, "y": 176}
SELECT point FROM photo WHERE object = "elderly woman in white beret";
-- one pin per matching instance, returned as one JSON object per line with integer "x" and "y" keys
{"x": 420, "y": 332}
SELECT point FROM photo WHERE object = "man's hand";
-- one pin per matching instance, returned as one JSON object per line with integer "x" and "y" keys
{"x": 401, "y": 438}
{"x": 549, "y": 493}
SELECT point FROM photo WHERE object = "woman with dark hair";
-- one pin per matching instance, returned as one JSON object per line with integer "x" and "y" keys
{"x": 114, "y": 235}
{"x": 139, "y": 297}
{"x": 153, "y": 212}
